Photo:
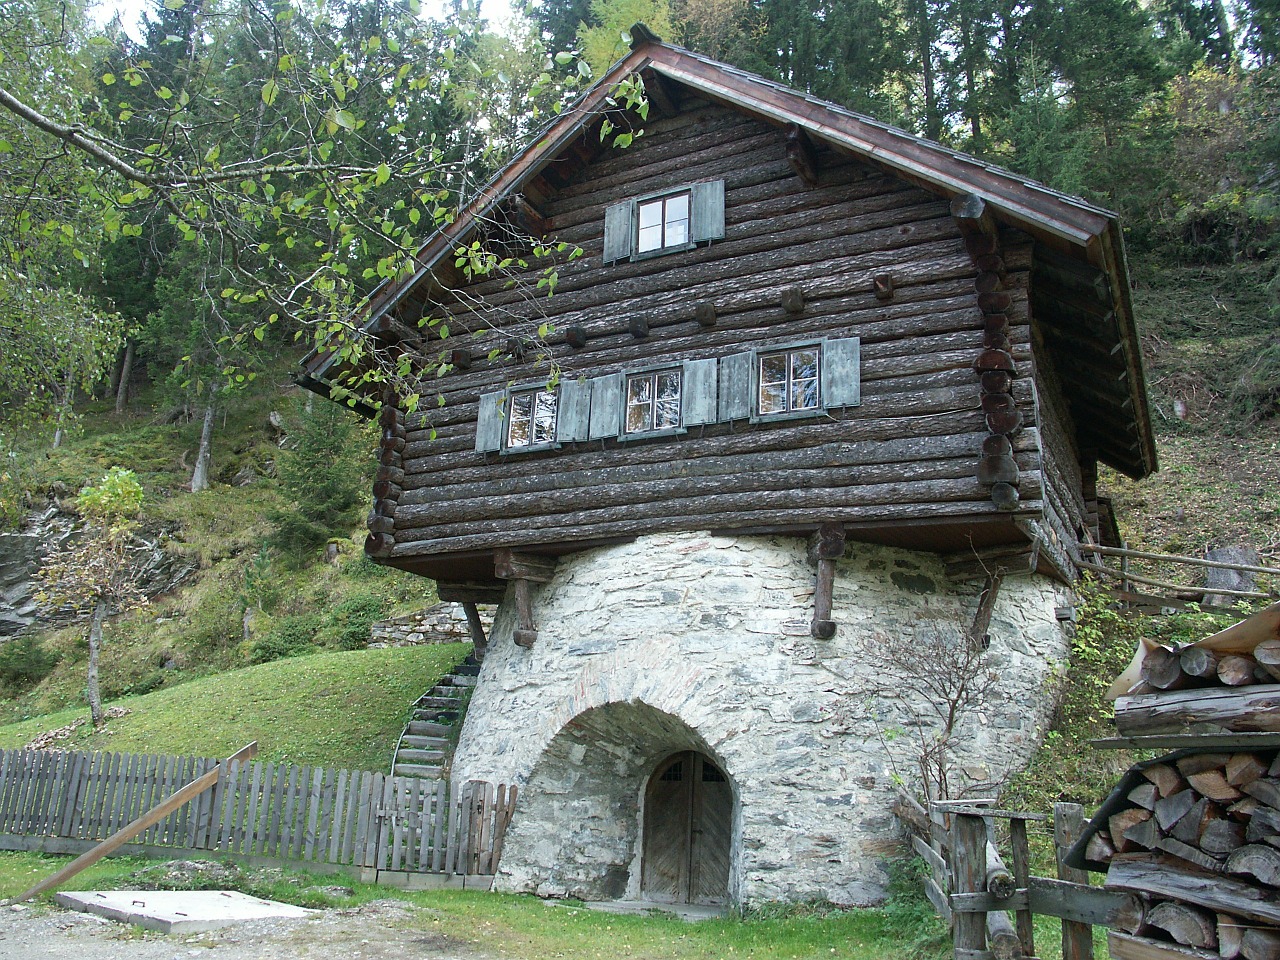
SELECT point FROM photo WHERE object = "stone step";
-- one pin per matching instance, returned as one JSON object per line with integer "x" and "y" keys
{"x": 418, "y": 770}
{"x": 462, "y": 680}
{"x": 425, "y": 728}
{"x": 436, "y": 716}
{"x": 423, "y": 743}
{"x": 437, "y": 703}
{"x": 453, "y": 693}
{"x": 468, "y": 669}
{"x": 420, "y": 756}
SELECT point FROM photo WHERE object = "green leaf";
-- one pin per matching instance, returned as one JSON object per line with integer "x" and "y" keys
{"x": 164, "y": 93}
{"x": 108, "y": 79}
{"x": 345, "y": 119}
{"x": 270, "y": 89}
{"x": 382, "y": 174}
{"x": 174, "y": 4}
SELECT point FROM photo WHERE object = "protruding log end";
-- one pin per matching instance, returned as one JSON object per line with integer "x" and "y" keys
{"x": 705, "y": 314}
{"x": 460, "y": 358}
{"x": 997, "y": 446}
{"x": 1001, "y": 469}
{"x": 793, "y": 301}
{"x": 639, "y": 327}
{"x": 576, "y": 337}
{"x": 883, "y": 286}
{"x": 823, "y": 629}
{"x": 995, "y": 360}
{"x": 997, "y": 301}
{"x": 379, "y": 544}
{"x": 1004, "y": 496}
{"x": 1002, "y": 413}
{"x": 526, "y": 638}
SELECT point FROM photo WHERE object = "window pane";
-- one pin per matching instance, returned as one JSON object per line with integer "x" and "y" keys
{"x": 545, "y": 425}
{"x": 773, "y": 369}
{"x": 677, "y": 233}
{"x": 678, "y": 208}
{"x": 638, "y": 418}
{"x": 650, "y": 238}
{"x": 520, "y": 417}
{"x": 804, "y": 395}
{"x": 651, "y": 214}
{"x": 804, "y": 365}
{"x": 773, "y": 398}
{"x": 668, "y": 414}
{"x": 640, "y": 389}
{"x": 669, "y": 386}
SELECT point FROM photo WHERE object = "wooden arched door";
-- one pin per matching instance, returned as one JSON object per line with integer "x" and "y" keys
{"x": 688, "y": 828}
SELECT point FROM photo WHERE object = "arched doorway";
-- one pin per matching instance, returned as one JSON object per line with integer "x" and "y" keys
{"x": 688, "y": 828}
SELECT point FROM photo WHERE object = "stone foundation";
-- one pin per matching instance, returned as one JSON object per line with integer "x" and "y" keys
{"x": 692, "y": 642}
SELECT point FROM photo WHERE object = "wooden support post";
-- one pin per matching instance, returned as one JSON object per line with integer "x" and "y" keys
{"x": 826, "y": 547}
{"x": 525, "y": 569}
{"x": 968, "y": 875}
{"x": 986, "y": 606}
{"x": 478, "y": 640}
{"x": 141, "y": 824}
{"x": 802, "y": 156}
{"x": 1068, "y": 825}
{"x": 1022, "y": 878}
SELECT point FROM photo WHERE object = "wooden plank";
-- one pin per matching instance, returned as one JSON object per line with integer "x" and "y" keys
{"x": 452, "y": 829}
{"x": 394, "y": 822}
{"x": 386, "y": 822}
{"x": 1081, "y": 903}
{"x": 279, "y": 785}
{"x": 71, "y": 798}
{"x": 300, "y": 813}
{"x": 313, "y": 814}
{"x": 1068, "y": 825}
{"x": 1165, "y": 878}
{"x": 1243, "y": 740}
{"x": 363, "y": 817}
{"x": 439, "y": 816}
{"x": 941, "y": 903}
{"x": 1123, "y": 946}
{"x": 484, "y": 862}
{"x": 426, "y": 825}
{"x": 249, "y": 838}
{"x": 508, "y": 810}
{"x": 121, "y": 837}
{"x": 1021, "y": 854}
{"x": 8, "y": 777}
{"x": 1211, "y": 710}
{"x": 325, "y": 826}
{"x": 968, "y": 876}
{"x": 340, "y": 843}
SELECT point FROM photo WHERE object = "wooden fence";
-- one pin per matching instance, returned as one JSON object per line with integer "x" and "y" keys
{"x": 971, "y": 887}
{"x": 369, "y": 823}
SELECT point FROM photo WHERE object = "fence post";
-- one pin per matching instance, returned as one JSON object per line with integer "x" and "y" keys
{"x": 1068, "y": 825}
{"x": 968, "y": 875}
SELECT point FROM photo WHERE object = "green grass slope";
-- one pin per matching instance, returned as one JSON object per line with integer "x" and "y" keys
{"x": 343, "y": 709}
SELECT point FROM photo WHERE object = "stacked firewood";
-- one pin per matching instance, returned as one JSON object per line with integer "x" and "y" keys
{"x": 1199, "y": 666}
{"x": 1198, "y": 838}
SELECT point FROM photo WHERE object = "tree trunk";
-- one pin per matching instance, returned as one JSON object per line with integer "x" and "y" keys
{"x": 126, "y": 372}
{"x": 200, "y": 475}
{"x": 91, "y": 691}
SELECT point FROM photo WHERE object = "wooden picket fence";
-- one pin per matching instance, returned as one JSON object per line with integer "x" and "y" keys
{"x": 366, "y": 822}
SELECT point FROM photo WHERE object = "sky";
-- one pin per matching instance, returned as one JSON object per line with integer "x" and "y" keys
{"x": 131, "y": 11}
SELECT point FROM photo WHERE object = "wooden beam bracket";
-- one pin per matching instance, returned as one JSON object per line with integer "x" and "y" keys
{"x": 826, "y": 547}
{"x": 525, "y": 569}
{"x": 802, "y": 156}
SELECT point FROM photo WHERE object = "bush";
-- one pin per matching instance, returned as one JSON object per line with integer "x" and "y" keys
{"x": 348, "y": 625}
{"x": 292, "y": 636}
{"x": 24, "y": 662}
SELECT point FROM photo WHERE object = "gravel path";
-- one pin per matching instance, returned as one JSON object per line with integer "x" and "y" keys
{"x": 382, "y": 930}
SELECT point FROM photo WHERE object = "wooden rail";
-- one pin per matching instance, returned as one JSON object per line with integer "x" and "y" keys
{"x": 971, "y": 887}
{"x": 1128, "y": 578}
{"x": 367, "y": 822}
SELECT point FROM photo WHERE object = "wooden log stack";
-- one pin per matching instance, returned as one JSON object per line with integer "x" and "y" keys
{"x": 1198, "y": 839}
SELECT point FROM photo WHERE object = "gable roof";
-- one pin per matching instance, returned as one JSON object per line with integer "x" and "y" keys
{"x": 1085, "y": 307}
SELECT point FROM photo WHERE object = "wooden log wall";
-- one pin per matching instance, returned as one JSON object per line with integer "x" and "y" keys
{"x": 869, "y": 255}
{"x": 283, "y": 812}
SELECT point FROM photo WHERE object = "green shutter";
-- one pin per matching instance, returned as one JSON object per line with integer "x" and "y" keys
{"x": 698, "y": 392}
{"x": 489, "y": 422}
{"x": 573, "y": 413}
{"x": 606, "y": 406}
{"x": 617, "y": 231}
{"x": 708, "y": 211}
{"x": 735, "y": 386}
{"x": 841, "y": 376}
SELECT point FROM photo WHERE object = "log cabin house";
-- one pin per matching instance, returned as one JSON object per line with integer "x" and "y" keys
{"x": 812, "y": 382}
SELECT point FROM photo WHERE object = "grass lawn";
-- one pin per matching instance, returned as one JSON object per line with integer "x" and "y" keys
{"x": 527, "y": 928}
{"x": 302, "y": 710}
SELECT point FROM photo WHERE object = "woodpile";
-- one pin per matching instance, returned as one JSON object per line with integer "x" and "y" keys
{"x": 1196, "y": 834}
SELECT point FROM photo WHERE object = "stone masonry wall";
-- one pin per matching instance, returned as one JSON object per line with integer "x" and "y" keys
{"x": 693, "y": 642}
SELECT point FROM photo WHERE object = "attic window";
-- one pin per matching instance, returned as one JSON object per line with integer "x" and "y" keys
{"x": 661, "y": 223}
{"x": 531, "y": 419}
{"x": 653, "y": 401}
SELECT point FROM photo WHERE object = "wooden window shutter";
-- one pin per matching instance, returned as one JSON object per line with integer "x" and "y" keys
{"x": 489, "y": 422}
{"x": 841, "y": 374}
{"x": 707, "y": 211}
{"x": 606, "y": 406}
{"x": 698, "y": 392}
{"x": 573, "y": 414}
{"x": 735, "y": 386}
{"x": 618, "y": 231}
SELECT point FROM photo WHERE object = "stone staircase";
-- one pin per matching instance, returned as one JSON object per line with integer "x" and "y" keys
{"x": 426, "y": 745}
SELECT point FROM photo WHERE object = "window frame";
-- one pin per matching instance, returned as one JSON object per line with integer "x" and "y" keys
{"x": 508, "y": 418}
{"x": 758, "y": 354}
{"x": 662, "y": 197}
{"x": 651, "y": 371}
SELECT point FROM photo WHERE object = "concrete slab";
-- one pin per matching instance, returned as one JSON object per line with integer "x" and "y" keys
{"x": 178, "y": 911}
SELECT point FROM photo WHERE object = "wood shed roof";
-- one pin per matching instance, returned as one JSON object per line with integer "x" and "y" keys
{"x": 1080, "y": 291}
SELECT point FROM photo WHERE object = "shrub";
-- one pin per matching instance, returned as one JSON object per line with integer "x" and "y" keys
{"x": 292, "y": 636}
{"x": 24, "y": 662}
{"x": 348, "y": 625}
